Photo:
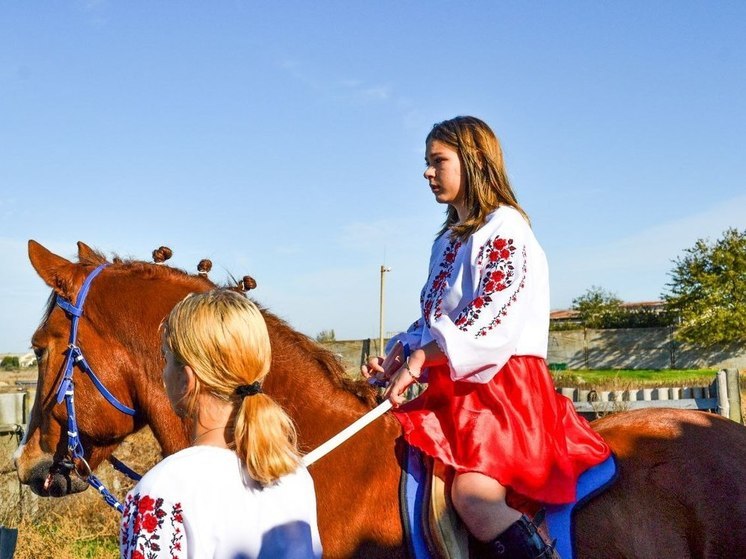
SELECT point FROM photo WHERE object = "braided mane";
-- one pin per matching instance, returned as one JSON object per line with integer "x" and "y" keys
{"x": 327, "y": 361}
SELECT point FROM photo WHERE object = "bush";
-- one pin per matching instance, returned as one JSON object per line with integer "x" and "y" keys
{"x": 10, "y": 363}
{"x": 636, "y": 318}
{"x": 326, "y": 336}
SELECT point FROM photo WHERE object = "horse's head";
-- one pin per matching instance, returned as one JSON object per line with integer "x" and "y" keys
{"x": 117, "y": 337}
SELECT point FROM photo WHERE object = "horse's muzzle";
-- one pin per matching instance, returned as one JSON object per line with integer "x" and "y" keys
{"x": 48, "y": 478}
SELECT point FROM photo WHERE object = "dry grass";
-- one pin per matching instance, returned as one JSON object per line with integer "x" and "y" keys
{"x": 69, "y": 529}
{"x": 79, "y": 526}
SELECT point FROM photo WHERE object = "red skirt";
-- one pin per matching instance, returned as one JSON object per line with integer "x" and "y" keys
{"x": 516, "y": 429}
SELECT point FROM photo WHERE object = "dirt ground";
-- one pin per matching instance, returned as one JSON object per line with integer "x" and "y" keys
{"x": 8, "y": 378}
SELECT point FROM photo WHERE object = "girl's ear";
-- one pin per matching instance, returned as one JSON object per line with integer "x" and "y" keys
{"x": 189, "y": 379}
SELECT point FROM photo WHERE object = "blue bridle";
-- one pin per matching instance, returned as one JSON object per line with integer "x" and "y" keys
{"x": 66, "y": 391}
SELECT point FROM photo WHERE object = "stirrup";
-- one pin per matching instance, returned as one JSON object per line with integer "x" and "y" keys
{"x": 520, "y": 541}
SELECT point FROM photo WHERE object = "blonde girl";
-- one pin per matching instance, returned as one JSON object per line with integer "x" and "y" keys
{"x": 239, "y": 489}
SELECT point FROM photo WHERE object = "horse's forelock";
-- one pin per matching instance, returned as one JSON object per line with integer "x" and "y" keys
{"x": 48, "y": 308}
{"x": 91, "y": 258}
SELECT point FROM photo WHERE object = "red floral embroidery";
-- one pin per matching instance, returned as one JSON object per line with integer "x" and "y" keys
{"x": 512, "y": 299}
{"x": 143, "y": 526}
{"x": 495, "y": 261}
{"x": 431, "y": 297}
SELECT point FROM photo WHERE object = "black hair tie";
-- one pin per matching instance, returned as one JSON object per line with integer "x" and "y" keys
{"x": 249, "y": 389}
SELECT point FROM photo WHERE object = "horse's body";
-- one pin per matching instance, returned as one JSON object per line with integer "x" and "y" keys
{"x": 681, "y": 491}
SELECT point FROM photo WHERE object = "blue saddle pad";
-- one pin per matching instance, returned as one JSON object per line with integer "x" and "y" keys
{"x": 559, "y": 517}
{"x": 412, "y": 502}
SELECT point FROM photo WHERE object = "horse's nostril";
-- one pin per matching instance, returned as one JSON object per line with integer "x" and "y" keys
{"x": 54, "y": 479}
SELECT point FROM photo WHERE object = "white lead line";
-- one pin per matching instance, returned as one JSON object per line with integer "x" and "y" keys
{"x": 346, "y": 433}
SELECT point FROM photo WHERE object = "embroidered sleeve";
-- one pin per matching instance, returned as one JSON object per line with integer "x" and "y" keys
{"x": 416, "y": 336}
{"x": 152, "y": 528}
{"x": 496, "y": 262}
{"x": 481, "y": 336}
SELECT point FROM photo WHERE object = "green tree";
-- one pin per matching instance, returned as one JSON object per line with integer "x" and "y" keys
{"x": 597, "y": 306}
{"x": 707, "y": 291}
{"x": 326, "y": 336}
{"x": 9, "y": 363}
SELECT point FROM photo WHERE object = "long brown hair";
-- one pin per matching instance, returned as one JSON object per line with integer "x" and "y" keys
{"x": 487, "y": 184}
{"x": 222, "y": 336}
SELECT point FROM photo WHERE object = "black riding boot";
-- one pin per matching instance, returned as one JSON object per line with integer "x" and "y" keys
{"x": 520, "y": 541}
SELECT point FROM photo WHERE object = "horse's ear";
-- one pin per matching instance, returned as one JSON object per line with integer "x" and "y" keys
{"x": 86, "y": 255}
{"x": 61, "y": 275}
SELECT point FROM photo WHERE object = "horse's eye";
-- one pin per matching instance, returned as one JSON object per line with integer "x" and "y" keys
{"x": 39, "y": 352}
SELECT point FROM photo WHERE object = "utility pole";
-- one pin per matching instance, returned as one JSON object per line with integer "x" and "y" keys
{"x": 384, "y": 269}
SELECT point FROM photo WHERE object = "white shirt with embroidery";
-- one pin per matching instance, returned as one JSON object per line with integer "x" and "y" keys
{"x": 486, "y": 299}
{"x": 201, "y": 503}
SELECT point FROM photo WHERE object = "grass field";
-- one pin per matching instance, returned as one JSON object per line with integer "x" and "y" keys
{"x": 616, "y": 379}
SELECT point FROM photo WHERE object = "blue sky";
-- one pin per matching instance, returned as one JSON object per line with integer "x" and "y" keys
{"x": 285, "y": 140}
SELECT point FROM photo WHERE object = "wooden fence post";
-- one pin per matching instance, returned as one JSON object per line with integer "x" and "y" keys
{"x": 365, "y": 353}
{"x": 722, "y": 393}
{"x": 734, "y": 395}
{"x": 585, "y": 347}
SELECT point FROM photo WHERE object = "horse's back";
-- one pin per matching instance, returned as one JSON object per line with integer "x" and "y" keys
{"x": 681, "y": 490}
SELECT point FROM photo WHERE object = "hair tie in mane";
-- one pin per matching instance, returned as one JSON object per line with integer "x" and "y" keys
{"x": 204, "y": 267}
{"x": 247, "y": 283}
{"x": 248, "y": 389}
{"x": 161, "y": 254}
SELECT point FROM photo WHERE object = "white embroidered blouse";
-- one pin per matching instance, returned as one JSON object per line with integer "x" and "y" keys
{"x": 200, "y": 502}
{"x": 485, "y": 299}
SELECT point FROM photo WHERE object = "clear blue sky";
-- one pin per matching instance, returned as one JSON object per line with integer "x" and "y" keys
{"x": 285, "y": 140}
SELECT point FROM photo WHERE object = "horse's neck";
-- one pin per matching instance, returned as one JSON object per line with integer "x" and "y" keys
{"x": 153, "y": 407}
{"x": 305, "y": 382}
{"x": 171, "y": 432}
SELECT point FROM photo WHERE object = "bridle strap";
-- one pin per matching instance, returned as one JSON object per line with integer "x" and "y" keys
{"x": 74, "y": 353}
{"x": 66, "y": 391}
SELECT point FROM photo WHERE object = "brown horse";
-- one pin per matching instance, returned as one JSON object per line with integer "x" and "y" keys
{"x": 681, "y": 492}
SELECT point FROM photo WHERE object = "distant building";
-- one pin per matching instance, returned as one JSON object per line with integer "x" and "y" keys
{"x": 28, "y": 360}
{"x": 571, "y": 316}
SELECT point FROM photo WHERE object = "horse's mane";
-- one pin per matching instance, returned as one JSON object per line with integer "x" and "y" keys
{"x": 327, "y": 361}
{"x": 146, "y": 270}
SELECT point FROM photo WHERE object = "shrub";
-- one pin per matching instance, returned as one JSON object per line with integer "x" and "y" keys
{"x": 10, "y": 363}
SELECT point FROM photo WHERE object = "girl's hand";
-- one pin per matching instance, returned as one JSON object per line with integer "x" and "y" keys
{"x": 408, "y": 373}
{"x": 403, "y": 378}
{"x": 381, "y": 370}
{"x": 373, "y": 367}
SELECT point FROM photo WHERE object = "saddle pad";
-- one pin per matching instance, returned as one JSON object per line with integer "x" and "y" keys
{"x": 435, "y": 531}
{"x": 448, "y": 535}
{"x": 559, "y": 517}
{"x": 412, "y": 499}
{"x": 431, "y": 524}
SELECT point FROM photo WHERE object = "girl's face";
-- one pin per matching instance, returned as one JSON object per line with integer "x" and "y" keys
{"x": 443, "y": 174}
{"x": 176, "y": 381}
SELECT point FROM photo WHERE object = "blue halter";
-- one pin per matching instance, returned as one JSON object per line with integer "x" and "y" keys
{"x": 66, "y": 391}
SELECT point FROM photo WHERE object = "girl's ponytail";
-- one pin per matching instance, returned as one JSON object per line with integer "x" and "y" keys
{"x": 265, "y": 438}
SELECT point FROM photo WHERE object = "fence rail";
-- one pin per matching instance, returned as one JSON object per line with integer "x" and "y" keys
{"x": 722, "y": 396}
